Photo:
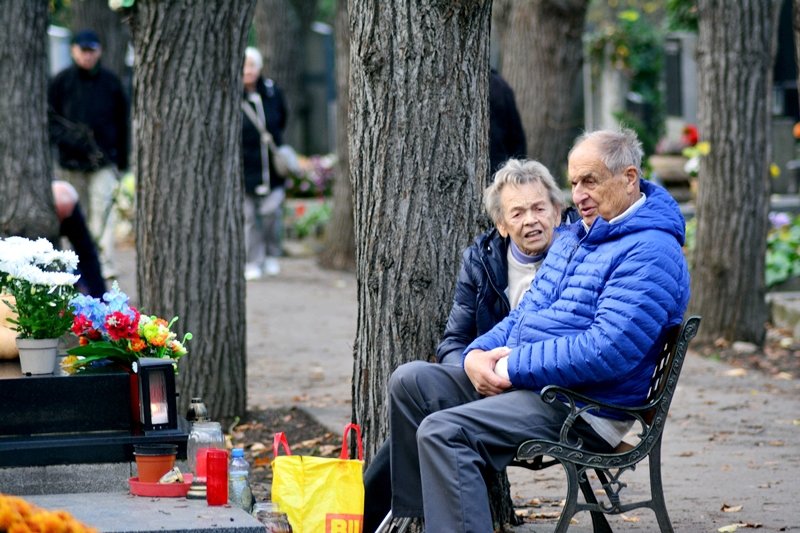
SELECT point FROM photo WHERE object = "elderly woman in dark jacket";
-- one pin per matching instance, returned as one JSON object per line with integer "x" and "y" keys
{"x": 525, "y": 205}
{"x": 263, "y": 112}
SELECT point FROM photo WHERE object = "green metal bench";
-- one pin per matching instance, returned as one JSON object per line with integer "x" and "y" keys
{"x": 610, "y": 467}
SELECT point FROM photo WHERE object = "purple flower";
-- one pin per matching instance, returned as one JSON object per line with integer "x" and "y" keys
{"x": 778, "y": 220}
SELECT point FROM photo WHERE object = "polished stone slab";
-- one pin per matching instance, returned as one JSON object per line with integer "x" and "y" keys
{"x": 123, "y": 512}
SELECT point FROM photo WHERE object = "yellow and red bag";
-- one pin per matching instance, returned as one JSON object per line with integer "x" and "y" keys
{"x": 320, "y": 494}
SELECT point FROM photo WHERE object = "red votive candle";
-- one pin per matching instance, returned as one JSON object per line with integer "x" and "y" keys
{"x": 200, "y": 463}
{"x": 217, "y": 479}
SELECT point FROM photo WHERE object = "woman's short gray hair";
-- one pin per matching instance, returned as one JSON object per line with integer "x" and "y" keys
{"x": 519, "y": 172}
{"x": 254, "y": 55}
{"x": 619, "y": 149}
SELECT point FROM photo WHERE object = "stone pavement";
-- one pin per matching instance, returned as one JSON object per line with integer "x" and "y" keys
{"x": 731, "y": 440}
{"x": 120, "y": 512}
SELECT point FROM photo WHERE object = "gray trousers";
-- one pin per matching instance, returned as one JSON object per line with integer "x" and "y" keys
{"x": 444, "y": 436}
{"x": 96, "y": 193}
{"x": 263, "y": 226}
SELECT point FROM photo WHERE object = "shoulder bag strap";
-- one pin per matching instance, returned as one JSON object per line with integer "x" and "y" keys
{"x": 262, "y": 129}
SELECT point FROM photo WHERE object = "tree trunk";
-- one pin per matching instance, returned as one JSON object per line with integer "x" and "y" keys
{"x": 796, "y": 27}
{"x": 281, "y": 28}
{"x": 340, "y": 247}
{"x": 418, "y": 154}
{"x": 114, "y": 35}
{"x": 189, "y": 199}
{"x": 501, "y": 13}
{"x": 542, "y": 60}
{"x": 25, "y": 159}
{"x": 736, "y": 48}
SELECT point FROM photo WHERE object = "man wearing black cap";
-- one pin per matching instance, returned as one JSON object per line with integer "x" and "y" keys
{"x": 89, "y": 126}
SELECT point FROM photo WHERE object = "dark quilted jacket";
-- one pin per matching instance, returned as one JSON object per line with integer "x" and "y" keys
{"x": 480, "y": 301}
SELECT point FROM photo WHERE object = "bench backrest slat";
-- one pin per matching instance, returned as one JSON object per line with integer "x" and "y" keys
{"x": 668, "y": 367}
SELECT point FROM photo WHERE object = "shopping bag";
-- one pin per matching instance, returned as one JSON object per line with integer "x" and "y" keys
{"x": 320, "y": 494}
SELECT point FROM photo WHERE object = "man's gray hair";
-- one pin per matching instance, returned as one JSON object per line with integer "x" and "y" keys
{"x": 619, "y": 149}
{"x": 519, "y": 172}
{"x": 254, "y": 55}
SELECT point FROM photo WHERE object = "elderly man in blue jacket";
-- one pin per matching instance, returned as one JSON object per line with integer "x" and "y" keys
{"x": 609, "y": 288}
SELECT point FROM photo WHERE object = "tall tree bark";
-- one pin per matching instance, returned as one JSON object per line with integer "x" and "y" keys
{"x": 796, "y": 28}
{"x": 736, "y": 49}
{"x": 501, "y": 14}
{"x": 418, "y": 154}
{"x": 114, "y": 35}
{"x": 339, "y": 251}
{"x": 281, "y": 28}
{"x": 26, "y": 163}
{"x": 189, "y": 190}
{"x": 542, "y": 60}
{"x": 418, "y": 88}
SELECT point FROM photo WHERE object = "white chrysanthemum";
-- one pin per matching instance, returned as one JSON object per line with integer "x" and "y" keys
{"x": 61, "y": 259}
{"x": 29, "y": 260}
{"x": 692, "y": 166}
{"x": 21, "y": 250}
{"x": 36, "y": 276}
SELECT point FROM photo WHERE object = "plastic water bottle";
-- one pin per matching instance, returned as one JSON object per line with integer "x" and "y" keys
{"x": 239, "y": 479}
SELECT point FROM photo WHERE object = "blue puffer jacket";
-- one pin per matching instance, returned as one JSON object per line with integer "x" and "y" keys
{"x": 599, "y": 304}
{"x": 480, "y": 301}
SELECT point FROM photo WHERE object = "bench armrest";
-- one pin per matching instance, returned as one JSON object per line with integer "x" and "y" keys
{"x": 580, "y": 403}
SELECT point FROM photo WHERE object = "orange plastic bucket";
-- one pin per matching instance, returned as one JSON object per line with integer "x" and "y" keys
{"x": 153, "y": 462}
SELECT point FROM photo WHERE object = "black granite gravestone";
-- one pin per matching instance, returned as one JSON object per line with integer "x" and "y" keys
{"x": 69, "y": 419}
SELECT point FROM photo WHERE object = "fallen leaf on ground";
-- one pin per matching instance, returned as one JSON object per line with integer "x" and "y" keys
{"x": 736, "y": 372}
{"x": 734, "y": 527}
{"x": 257, "y": 447}
{"x": 261, "y": 461}
{"x": 730, "y": 508}
{"x": 776, "y": 443}
{"x": 544, "y": 516}
{"x": 629, "y": 518}
{"x": 309, "y": 443}
{"x": 685, "y": 454}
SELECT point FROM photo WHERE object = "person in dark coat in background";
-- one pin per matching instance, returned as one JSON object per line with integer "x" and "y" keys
{"x": 88, "y": 121}
{"x": 506, "y": 135}
{"x": 264, "y": 188}
{"x": 72, "y": 225}
{"x": 525, "y": 205}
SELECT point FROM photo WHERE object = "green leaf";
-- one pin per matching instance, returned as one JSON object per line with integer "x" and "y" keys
{"x": 102, "y": 349}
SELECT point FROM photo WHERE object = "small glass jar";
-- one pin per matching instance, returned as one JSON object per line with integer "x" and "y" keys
{"x": 274, "y": 521}
{"x": 204, "y": 436}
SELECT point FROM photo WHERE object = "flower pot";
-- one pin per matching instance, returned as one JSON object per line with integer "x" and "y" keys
{"x": 154, "y": 460}
{"x": 37, "y": 356}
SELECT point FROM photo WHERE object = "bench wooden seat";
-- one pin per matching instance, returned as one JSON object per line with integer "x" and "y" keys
{"x": 609, "y": 467}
